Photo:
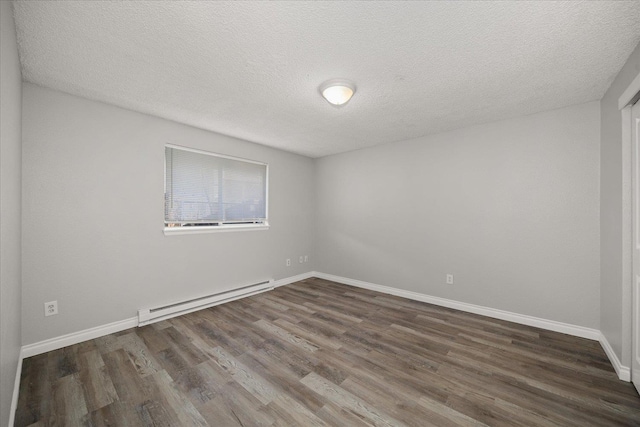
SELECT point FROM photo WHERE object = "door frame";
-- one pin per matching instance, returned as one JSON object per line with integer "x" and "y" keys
{"x": 625, "y": 103}
{"x": 634, "y": 365}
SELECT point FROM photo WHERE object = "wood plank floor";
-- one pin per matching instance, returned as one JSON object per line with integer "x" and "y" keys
{"x": 319, "y": 353}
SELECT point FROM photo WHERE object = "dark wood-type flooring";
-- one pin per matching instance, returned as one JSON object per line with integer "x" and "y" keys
{"x": 320, "y": 353}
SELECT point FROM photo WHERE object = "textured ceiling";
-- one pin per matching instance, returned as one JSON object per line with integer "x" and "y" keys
{"x": 252, "y": 69}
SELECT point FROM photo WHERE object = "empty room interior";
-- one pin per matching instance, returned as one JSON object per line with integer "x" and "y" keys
{"x": 319, "y": 213}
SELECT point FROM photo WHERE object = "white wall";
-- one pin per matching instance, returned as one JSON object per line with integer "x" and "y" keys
{"x": 511, "y": 208}
{"x": 10, "y": 194}
{"x": 93, "y": 216}
{"x": 615, "y": 308}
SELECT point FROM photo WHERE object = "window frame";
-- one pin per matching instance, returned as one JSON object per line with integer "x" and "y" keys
{"x": 222, "y": 226}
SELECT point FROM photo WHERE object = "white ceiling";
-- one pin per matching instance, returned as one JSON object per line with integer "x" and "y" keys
{"x": 252, "y": 69}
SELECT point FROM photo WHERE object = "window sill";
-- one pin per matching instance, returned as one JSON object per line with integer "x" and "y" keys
{"x": 171, "y": 231}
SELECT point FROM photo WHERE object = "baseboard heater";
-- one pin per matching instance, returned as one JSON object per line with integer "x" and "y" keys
{"x": 147, "y": 316}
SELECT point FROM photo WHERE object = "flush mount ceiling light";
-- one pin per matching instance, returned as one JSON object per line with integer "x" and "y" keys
{"x": 337, "y": 91}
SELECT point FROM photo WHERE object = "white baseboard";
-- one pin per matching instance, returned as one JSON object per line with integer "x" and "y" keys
{"x": 551, "y": 325}
{"x": 59, "y": 342}
{"x": 293, "y": 279}
{"x": 99, "y": 331}
{"x": 77, "y": 337}
{"x": 92, "y": 333}
{"x": 624, "y": 373}
{"x": 16, "y": 390}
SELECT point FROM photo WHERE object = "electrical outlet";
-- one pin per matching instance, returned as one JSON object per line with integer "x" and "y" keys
{"x": 50, "y": 308}
{"x": 449, "y": 279}
{"x": 288, "y": 262}
{"x": 306, "y": 258}
{"x": 301, "y": 259}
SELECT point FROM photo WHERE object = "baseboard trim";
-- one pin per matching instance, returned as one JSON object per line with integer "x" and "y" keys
{"x": 16, "y": 391}
{"x": 624, "y": 372}
{"x": 78, "y": 337}
{"x": 293, "y": 279}
{"x": 92, "y": 333}
{"x": 99, "y": 331}
{"x": 551, "y": 325}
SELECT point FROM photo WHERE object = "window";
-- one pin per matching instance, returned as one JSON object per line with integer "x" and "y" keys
{"x": 206, "y": 191}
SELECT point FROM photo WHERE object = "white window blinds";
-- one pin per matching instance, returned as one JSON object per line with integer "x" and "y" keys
{"x": 204, "y": 189}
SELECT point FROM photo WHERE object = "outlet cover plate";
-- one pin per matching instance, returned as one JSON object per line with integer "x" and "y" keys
{"x": 51, "y": 308}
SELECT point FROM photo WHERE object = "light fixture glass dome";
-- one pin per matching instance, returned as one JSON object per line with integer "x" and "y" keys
{"x": 337, "y": 92}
